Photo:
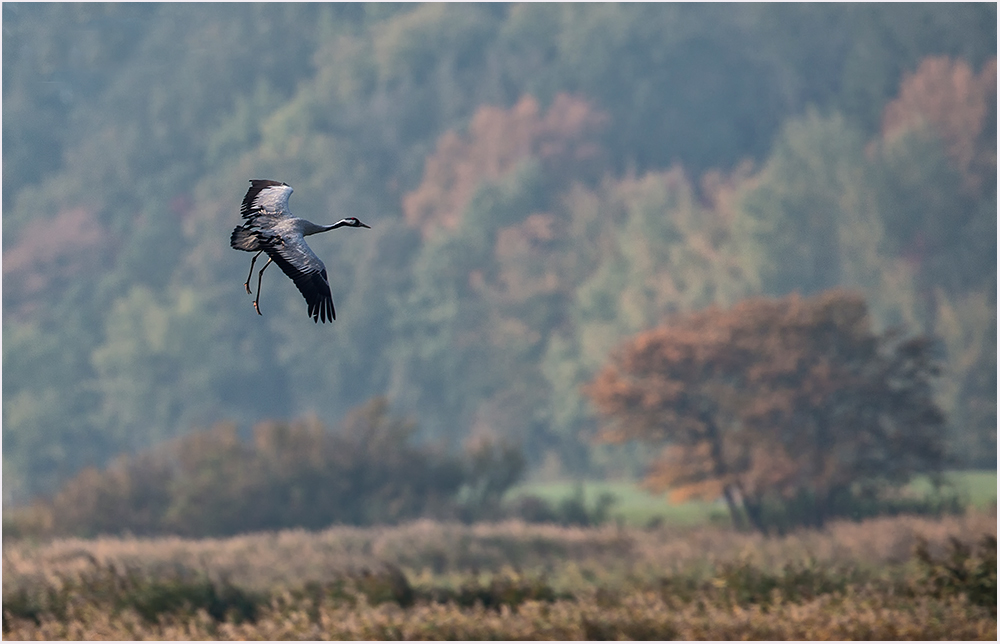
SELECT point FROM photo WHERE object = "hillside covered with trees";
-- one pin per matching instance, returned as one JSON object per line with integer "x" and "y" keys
{"x": 543, "y": 182}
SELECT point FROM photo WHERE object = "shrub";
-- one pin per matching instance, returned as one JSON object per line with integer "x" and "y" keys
{"x": 571, "y": 510}
{"x": 779, "y": 515}
{"x": 292, "y": 474}
{"x": 963, "y": 570}
{"x": 491, "y": 468}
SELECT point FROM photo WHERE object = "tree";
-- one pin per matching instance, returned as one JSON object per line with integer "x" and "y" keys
{"x": 792, "y": 212}
{"x": 564, "y": 140}
{"x": 774, "y": 399}
{"x": 629, "y": 253}
{"x": 899, "y": 217}
{"x": 956, "y": 104}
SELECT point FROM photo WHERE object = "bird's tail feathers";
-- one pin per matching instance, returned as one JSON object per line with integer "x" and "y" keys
{"x": 244, "y": 239}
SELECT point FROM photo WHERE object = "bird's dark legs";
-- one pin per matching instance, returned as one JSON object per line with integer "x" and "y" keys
{"x": 246, "y": 284}
{"x": 259, "y": 276}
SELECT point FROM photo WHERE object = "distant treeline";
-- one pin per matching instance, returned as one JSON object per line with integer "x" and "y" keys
{"x": 543, "y": 181}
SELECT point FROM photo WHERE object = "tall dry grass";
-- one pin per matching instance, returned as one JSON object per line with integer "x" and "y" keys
{"x": 636, "y": 616}
{"x": 263, "y": 560}
{"x": 848, "y": 581}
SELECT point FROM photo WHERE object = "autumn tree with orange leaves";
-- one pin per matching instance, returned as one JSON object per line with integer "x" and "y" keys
{"x": 565, "y": 139}
{"x": 774, "y": 398}
{"x": 947, "y": 97}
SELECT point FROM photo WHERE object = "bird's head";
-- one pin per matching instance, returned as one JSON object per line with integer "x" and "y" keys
{"x": 354, "y": 222}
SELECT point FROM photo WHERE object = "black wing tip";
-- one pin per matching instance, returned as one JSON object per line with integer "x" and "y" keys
{"x": 322, "y": 310}
{"x": 314, "y": 286}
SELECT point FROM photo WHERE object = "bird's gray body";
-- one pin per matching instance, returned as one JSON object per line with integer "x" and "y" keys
{"x": 271, "y": 228}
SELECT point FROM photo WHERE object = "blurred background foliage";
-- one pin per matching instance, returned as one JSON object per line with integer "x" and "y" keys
{"x": 298, "y": 474}
{"x": 543, "y": 181}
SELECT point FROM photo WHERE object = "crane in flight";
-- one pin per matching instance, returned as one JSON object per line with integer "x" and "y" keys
{"x": 271, "y": 229}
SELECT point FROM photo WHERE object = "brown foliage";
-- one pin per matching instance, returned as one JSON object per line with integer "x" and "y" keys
{"x": 521, "y": 251}
{"x": 563, "y": 140}
{"x": 774, "y": 397}
{"x": 944, "y": 95}
{"x": 292, "y": 474}
{"x": 51, "y": 250}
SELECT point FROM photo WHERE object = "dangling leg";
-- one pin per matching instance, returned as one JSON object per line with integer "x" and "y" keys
{"x": 259, "y": 276}
{"x": 246, "y": 284}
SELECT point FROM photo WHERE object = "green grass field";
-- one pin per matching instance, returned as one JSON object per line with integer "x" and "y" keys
{"x": 976, "y": 487}
{"x": 634, "y": 505}
{"x": 637, "y": 507}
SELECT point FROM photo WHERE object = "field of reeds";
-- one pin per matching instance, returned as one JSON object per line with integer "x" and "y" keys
{"x": 903, "y": 577}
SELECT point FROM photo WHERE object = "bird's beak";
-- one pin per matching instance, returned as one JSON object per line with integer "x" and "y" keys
{"x": 364, "y": 225}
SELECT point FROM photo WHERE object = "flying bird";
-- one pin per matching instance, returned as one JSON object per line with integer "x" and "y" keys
{"x": 271, "y": 229}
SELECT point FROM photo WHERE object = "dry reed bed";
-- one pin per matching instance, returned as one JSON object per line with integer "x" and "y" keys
{"x": 429, "y": 549}
{"x": 619, "y": 583}
{"x": 642, "y": 616}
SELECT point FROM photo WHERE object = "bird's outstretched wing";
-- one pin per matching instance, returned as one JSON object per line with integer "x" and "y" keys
{"x": 266, "y": 197}
{"x": 298, "y": 262}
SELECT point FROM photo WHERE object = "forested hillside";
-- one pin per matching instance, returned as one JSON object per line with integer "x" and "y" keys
{"x": 543, "y": 181}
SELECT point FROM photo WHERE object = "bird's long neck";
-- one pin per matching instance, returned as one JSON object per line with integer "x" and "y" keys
{"x": 309, "y": 228}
